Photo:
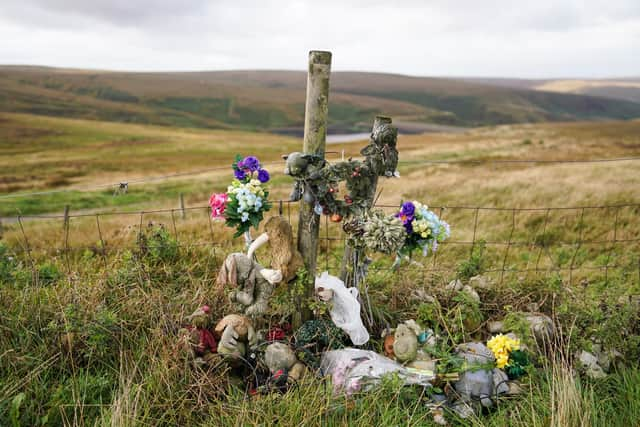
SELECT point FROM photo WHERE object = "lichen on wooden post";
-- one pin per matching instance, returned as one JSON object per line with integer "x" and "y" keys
{"x": 315, "y": 134}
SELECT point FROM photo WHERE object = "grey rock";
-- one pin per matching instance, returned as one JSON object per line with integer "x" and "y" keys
{"x": 454, "y": 286}
{"x": 589, "y": 363}
{"x": 421, "y": 296}
{"x": 541, "y": 326}
{"x": 495, "y": 326}
{"x": 463, "y": 410}
{"x": 514, "y": 388}
{"x": 481, "y": 282}
{"x": 475, "y": 352}
{"x": 513, "y": 336}
{"x": 471, "y": 292}
{"x": 279, "y": 356}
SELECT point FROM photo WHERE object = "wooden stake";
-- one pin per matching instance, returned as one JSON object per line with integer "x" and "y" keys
{"x": 315, "y": 135}
{"x": 183, "y": 214}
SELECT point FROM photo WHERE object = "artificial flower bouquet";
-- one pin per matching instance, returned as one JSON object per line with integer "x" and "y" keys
{"x": 424, "y": 229}
{"x": 246, "y": 199}
{"x": 508, "y": 355}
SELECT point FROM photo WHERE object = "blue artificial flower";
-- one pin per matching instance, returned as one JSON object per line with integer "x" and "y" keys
{"x": 263, "y": 175}
{"x": 239, "y": 174}
{"x": 251, "y": 163}
{"x": 408, "y": 209}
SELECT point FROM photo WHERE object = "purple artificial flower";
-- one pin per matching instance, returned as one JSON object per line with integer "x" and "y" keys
{"x": 406, "y": 215}
{"x": 251, "y": 163}
{"x": 263, "y": 175}
{"x": 239, "y": 174}
{"x": 408, "y": 209}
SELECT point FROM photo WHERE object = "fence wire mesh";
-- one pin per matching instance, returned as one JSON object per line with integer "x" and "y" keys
{"x": 582, "y": 243}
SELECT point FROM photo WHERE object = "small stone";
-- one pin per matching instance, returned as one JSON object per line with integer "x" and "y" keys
{"x": 495, "y": 326}
{"x": 514, "y": 388}
{"x": 421, "y": 296}
{"x": 279, "y": 356}
{"x": 454, "y": 286}
{"x": 590, "y": 364}
{"x": 541, "y": 326}
{"x": 463, "y": 410}
{"x": 512, "y": 336}
{"x": 481, "y": 282}
{"x": 471, "y": 292}
{"x": 596, "y": 373}
{"x": 475, "y": 352}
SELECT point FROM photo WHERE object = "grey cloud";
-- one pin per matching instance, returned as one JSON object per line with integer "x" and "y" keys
{"x": 435, "y": 37}
{"x": 113, "y": 12}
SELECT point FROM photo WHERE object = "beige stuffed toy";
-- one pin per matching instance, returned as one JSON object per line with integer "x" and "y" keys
{"x": 285, "y": 257}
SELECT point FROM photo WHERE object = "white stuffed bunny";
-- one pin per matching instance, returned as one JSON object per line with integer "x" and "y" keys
{"x": 345, "y": 310}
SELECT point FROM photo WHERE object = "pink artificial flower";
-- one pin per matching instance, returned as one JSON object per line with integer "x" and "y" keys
{"x": 218, "y": 203}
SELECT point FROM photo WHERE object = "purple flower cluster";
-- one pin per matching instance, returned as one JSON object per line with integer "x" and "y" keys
{"x": 250, "y": 162}
{"x": 245, "y": 168}
{"x": 240, "y": 174}
{"x": 263, "y": 175}
{"x": 406, "y": 215}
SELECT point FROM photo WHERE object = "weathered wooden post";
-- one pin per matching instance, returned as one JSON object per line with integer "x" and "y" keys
{"x": 183, "y": 213}
{"x": 315, "y": 135}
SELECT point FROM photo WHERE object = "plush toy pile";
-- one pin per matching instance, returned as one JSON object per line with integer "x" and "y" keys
{"x": 270, "y": 358}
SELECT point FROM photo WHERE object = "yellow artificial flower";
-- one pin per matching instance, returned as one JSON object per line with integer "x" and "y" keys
{"x": 501, "y": 346}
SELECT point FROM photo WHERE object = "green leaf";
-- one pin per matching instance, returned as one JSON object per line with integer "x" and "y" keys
{"x": 14, "y": 412}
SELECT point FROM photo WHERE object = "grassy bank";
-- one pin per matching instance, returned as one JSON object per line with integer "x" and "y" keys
{"x": 89, "y": 318}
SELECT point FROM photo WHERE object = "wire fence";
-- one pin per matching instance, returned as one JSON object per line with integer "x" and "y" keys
{"x": 579, "y": 243}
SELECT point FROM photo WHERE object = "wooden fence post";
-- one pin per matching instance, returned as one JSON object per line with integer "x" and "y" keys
{"x": 65, "y": 221}
{"x": 183, "y": 214}
{"x": 315, "y": 135}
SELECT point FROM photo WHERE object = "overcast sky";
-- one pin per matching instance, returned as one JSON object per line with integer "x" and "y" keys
{"x": 541, "y": 38}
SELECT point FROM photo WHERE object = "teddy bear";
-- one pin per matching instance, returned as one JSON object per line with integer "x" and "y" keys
{"x": 236, "y": 335}
{"x": 197, "y": 337}
{"x": 285, "y": 257}
{"x": 404, "y": 344}
{"x": 250, "y": 288}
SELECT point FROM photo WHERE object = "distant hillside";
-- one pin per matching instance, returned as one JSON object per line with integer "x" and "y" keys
{"x": 272, "y": 100}
{"x": 626, "y": 89}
